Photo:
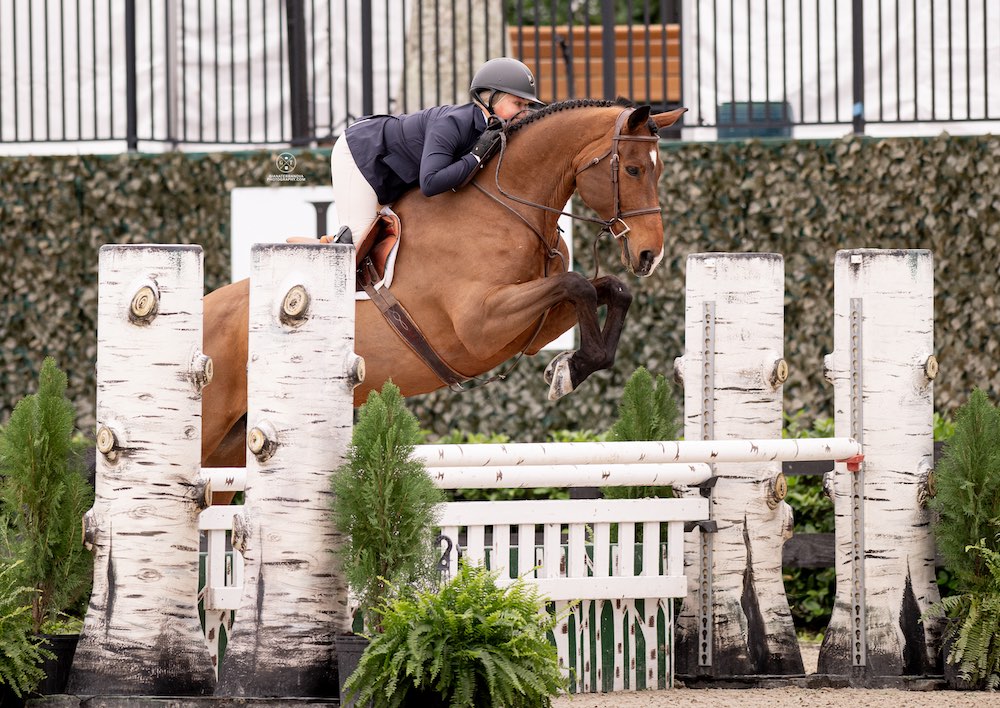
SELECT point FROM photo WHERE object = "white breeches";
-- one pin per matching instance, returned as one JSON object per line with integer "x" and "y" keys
{"x": 355, "y": 200}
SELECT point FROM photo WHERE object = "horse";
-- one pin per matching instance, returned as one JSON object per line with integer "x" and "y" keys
{"x": 483, "y": 270}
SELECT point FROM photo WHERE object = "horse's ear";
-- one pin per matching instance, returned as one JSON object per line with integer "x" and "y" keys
{"x": 638, "y": 118}
{"x": 663, "y": 120}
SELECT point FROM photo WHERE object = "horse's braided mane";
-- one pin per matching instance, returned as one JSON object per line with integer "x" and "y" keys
{"x": 548, "y": 110}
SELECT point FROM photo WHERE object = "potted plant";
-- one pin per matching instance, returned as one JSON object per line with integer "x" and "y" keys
{"x": 44, "y": 494}
{"x": 384, "y": 507}
{"x": 967, "y": 506}
{"x": 470, "y": 644}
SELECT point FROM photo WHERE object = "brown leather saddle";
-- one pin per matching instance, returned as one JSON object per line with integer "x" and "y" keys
{"x": 373, "y": 259}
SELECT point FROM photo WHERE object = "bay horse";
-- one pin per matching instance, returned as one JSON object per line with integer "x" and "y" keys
{"x": 483, "y": 270}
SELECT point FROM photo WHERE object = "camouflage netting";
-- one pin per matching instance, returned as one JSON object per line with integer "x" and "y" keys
{"x": 802, "y": 199}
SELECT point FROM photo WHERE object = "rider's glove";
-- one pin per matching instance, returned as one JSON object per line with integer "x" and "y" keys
{"x": 487, "y": 145}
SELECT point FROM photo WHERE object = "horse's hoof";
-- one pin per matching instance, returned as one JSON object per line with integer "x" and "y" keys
{"x": 557, "y": 376}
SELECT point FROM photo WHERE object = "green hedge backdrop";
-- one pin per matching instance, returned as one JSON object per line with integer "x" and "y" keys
{"x": 803, "y": 199}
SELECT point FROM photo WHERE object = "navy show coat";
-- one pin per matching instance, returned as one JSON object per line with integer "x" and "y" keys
{"x": 430, "y": 148}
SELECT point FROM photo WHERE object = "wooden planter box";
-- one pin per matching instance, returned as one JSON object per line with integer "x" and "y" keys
{"x": 568, "y": 62}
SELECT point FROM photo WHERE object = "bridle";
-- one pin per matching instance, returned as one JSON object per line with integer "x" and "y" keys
{"x": 607, "y": 225}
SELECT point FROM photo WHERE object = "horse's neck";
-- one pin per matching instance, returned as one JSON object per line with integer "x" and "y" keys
{"x": 543, "y": 158}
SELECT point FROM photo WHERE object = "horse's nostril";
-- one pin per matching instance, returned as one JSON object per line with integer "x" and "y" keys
{"x": 646, "y": 259}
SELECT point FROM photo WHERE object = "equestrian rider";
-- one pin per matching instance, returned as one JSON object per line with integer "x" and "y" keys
{"x": 381, "y": 157}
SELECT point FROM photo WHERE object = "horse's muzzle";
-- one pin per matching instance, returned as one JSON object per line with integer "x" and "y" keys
{"x": 647, "y": 262}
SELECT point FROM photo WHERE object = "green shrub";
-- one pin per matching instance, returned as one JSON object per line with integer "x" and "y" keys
{"x": 471, "y": 644}
{"x": 967, "y": 504}
{"x": 647, "y": 411}
{"x": 384, "y": 504}
{"x": 967, "y": 500}
{"x": 44, "y": 495}
{"x": 21, "y": 651}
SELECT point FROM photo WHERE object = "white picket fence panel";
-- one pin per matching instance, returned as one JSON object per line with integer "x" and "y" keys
{"x": 578, "y": 565}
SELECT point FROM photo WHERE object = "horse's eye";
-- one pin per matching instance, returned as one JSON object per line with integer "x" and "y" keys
{"x": 632, "y": 170}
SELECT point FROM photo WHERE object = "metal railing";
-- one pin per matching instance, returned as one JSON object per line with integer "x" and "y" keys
{"x": 230, "y": 72}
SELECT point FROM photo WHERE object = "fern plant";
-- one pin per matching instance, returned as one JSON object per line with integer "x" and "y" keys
{"x": 967, "y": 499}
{"x": 44, "y": 495}
{"x": 384, "y": 504}
{"x": 471, "y": 644}
{"x": 973, "y": 633}
{"x": 21, "y": 652}
{"x": 648, "y": 411}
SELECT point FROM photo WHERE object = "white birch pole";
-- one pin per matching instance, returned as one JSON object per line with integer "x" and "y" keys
{"x": 301, "y": 375}
{"x": 735, "y": 619}
{"x": 883, "y": 345}
{"x": 141, "y": 634}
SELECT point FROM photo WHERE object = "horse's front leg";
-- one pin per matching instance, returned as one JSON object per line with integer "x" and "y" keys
{"x": 510, "y": 312}
{"x": 598, "y": 345}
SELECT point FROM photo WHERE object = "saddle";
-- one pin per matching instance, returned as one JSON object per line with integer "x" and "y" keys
{"x": 378, "y": 255}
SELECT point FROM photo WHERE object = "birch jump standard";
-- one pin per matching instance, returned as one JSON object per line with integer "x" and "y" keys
{"x": 142, "y": 634}
{"x": 735, "y": 620}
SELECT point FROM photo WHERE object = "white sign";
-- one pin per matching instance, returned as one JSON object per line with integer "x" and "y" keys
{"x": 272, "y": 214}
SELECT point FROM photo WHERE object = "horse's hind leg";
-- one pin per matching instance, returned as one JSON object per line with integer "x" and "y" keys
{"x": 232, "y": 451}
{"x": 224, "y": 400}
{"x": 598, "y": 345}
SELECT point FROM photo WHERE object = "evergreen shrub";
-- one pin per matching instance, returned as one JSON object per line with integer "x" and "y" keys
{"x": 647, "y": 411}
{"x": 967, "y": 529}
{"x": 384, "y": 504}
{"x": 43, "y": 496}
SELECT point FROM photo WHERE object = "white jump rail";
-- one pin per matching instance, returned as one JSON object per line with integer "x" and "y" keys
{"x": 685, "y": 452}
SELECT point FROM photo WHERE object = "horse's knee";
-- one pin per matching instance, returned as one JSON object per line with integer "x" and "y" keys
{"x": 611, "y": 290}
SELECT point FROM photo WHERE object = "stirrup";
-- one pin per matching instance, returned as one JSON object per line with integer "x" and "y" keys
{"x": 343, "y": 235}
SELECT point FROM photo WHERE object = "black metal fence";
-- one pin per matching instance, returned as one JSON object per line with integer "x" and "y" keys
{"x": 274, "y": 72}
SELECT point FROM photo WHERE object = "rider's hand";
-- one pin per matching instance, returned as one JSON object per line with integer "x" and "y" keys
{"x": 487, "y": 145}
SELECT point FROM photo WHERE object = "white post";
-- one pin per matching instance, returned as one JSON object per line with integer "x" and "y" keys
{"x": 881, "y": 368}
{"x": 141, "y": 635}
{"x": 735, "y": 619}
{"x": 301, "y": 374}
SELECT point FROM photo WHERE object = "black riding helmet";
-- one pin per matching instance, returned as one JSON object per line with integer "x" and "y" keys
{"x": 503, "y": 75}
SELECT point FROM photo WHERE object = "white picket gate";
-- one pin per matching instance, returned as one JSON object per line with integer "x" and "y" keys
{"x": 588, "y": 559}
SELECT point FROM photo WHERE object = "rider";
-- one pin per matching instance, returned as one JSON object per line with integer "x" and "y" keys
{"x": 381, "y": 157}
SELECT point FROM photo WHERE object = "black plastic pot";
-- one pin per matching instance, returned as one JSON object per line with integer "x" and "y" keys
{"x": 349, "y": 649}
{"x": 57, "y": 668}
